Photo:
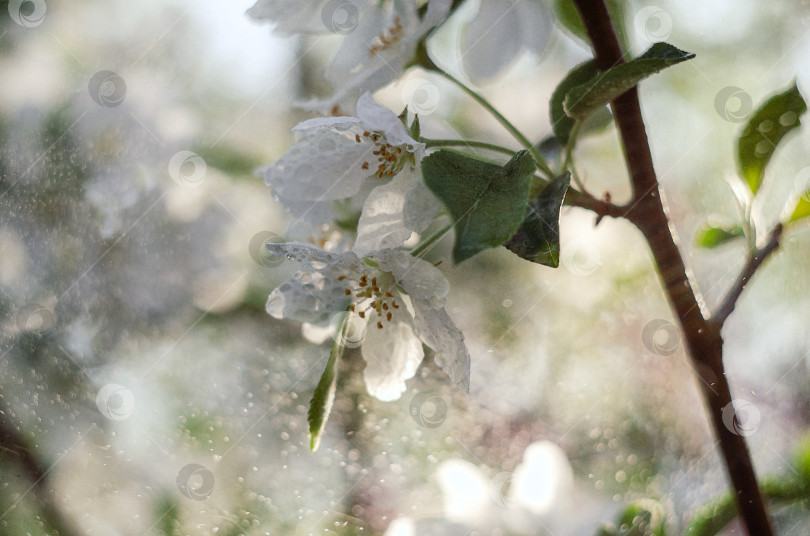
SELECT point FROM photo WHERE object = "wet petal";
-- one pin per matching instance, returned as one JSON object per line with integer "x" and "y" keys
{"x": 420, "y": 279}
{"x": 441, "y": 335}
{"x": 315, "y": 259}
{"x": 321, "y": 166}
{"x": 394, "y": 211}
{"x": 377, "y": 117}
{"x": 308, "y": 297}
{"x": 392, "y": 355}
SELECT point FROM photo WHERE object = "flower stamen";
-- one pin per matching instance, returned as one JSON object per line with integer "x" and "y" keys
{"x": 388, "y": 38}
{"x": 389, "y": 158}
{"x": 368, "y": 296}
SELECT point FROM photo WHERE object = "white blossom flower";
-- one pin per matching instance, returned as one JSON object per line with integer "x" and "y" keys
{"x": 535, "y": 499}
{"x": 381, "y": 38}
{"x": 309, "y": 17}
{"x": 398, "y": 300}
{"x": 366, "y": 160}
{"x": 376, "y": 52}
{"x": 501, "y": 30}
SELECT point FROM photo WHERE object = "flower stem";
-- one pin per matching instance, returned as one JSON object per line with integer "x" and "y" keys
{"x": 541, "y": 163}
{"x": 471, "y": 144}
{"x": 569, "y": 155}
{"x": 432, "y": 239}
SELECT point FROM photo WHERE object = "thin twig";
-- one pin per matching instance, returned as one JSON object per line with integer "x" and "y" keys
{"x": 755, "y": 260}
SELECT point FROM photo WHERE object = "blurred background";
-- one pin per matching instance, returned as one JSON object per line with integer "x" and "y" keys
{"x": 144, "y": 390}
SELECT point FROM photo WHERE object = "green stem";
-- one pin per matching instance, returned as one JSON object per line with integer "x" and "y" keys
{"x": 541, "y": 163}
{"x": 711, "y": 518}
{"x": 473, "y": 144}
{"x": 435, "y": 237}
{"x": 569, "y": 154}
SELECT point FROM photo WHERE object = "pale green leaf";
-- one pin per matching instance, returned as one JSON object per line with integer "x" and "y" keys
{"x": 802, "y": 209}
{"x": 776, "y": 118}
{"x": 321, "y": 404}
{"x": 710, "y": 236}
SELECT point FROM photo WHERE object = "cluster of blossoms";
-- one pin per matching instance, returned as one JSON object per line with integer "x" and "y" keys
{"x": 365, "y": 170}
{"x": 380, "y": 39}
{"x": 394, "y": 300}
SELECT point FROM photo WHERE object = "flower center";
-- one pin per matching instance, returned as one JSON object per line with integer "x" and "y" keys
{"x": 388, "y": 157}
{"x": 388, "y": 38}
{"x": 369, "y": 297}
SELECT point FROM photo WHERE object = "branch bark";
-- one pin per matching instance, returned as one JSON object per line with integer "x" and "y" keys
{"x": 704, "y": 343}
{"x": 755, "y": 260}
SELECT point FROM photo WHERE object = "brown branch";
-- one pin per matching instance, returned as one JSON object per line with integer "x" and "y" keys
{"x": 575, "y": 198}
{"x": 755, "y": 260}
{"x": 704, "y": 343}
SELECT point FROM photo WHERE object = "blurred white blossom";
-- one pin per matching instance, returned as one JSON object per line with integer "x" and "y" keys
{"x": 499, "y": 33}
{"x": 381, "y": 39}
{"x": 529, "y": 501}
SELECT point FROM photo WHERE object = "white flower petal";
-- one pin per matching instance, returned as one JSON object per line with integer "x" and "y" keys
{"x": 401, "y": 526}
{"x": 493, "y": 40}
{"x": 291, "y": 16}
{"x": 377, "y": 117}
{"x": 310, "y": 17}
{"x": 392, "y": 355}
{"x": 393, "y": 211}
{"x": 421, "y": 206}
{"x": 355, "y": 69}
{"x": 544, "y": 477}
{"x": 465, "y": 491}
{"x": 441, "y": 335}
{"x": 307, "y": 297}
{"x": 315, "y": 333}
{"x": 315, "y": 259}
{"x": 420, "y": 279}
{"x": 340, "y": 124}
{"x": 536, "y": 26}
{"x": 324, "y": 165}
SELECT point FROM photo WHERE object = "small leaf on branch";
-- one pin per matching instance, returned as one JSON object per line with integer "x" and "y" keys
{"x": 588, "y": 97}
{"x": 802, "y": 209}
{"x": 766, "y": 128}
{"x": 321, "y": 404}
{"x": 561, "y": 122}
{"x": 486, "y": 202}
{"x": 538, "y": 238}
{"x": 710, "y": 236}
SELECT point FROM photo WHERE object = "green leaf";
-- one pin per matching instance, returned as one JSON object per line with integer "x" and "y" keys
{"x": 781, "y": 490}
{"x": 766, "y": 128}
{"x": 321, "y": 404}
{"x": 586, "y": 98}
{"x": 710, "y": 236}
{"x": 645, "y": 517}
{"x": 802, "y": 209}
{"x": 561, "y": 122}
{"x": 487, "y": 202}
{"x": 538, "y": 238}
